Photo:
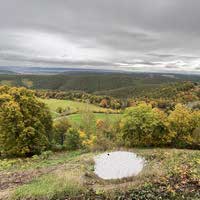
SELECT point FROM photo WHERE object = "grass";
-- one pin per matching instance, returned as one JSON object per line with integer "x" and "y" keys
{"x": 76, "y": 118}
{"x": 6, "y": 82}
{"x": 168, "y": 174}
{"x": 51, "y": 186}
{"x": 38, "y": 162}
{"x": 53, "y": 177}
{"x": 73, "y": 106}
{"x": 78, "y": 108}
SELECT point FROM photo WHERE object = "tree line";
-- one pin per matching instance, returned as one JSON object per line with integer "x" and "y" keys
{"x": 102, "y": 101}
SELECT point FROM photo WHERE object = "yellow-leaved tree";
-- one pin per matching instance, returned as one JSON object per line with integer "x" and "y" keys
{"x": 182, "y": 124}
{"x": 25, "y": 123}
{"x": 144, "y": 126}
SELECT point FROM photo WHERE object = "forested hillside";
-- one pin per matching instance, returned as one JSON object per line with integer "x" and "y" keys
{"x": 112, "y": 84}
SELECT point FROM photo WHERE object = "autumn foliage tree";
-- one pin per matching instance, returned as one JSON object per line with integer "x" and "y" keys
{"x": 182, "y": 124}
{"x": 60, "y": 129}
{"x": 146, "y": 126}
{"x": 25, "y": 123}
{"x": 104, "y": 103}
{"x": 143, "y": 126}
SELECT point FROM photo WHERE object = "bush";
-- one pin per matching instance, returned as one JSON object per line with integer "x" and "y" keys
{"x": 183, "y": 123}
{"x": 46, "y": 154}
{"x": 143, "y": 126}
{"x": 104, "y": 139}
{"x": 147, "y": 126}
{"x": 57, "y": 147}
{"x": 60, "y": 129}
{"x": 88, "y": 122}
{"x": 25, "y": 123}
{"x": 72, "y": 139}
{"x": 196, "y": 138}
{"x": 59, "y": 110}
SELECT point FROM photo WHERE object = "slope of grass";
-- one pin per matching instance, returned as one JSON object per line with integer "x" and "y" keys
{"x": 53, "y": 186}
{"x": 76, "y": 118}
{"x": 168, "y": 174}
{"x": 74, "y": 106}
{"x": 77, "y": 107}
{"x": 38, "y": 162}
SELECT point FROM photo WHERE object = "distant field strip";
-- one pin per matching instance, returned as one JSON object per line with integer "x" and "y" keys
{"x": 76, "y": 118}
{"x": 53, "y": 104}
{"x": 77, "y": 107}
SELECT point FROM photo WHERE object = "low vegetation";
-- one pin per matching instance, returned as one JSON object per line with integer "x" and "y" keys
{"x": 168, "y": 174}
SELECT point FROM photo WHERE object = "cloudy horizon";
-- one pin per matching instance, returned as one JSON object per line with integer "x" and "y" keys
{"x": 131, "y": 35}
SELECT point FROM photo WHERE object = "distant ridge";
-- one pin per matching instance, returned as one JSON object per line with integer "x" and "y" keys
{"x": 7, "y": 72}
{"x": 51, "y": 70}
{"x": 70, "y": 70}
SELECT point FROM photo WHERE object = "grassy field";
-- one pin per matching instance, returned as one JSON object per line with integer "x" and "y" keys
{"x": 79, "y": 107}
{"x": 74, "y": 106}
{"x": 168, "y": 174}
{"x": 76, "y": 118}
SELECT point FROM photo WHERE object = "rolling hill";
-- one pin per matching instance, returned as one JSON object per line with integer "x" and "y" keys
{"x": 104, "y": 83}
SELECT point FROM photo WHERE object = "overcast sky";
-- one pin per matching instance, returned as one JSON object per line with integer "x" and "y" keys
{"x": 136, "y": 35}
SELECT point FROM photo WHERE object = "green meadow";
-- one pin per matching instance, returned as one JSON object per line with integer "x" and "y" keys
{"x": 76, "y": 108}
{"x": 76, "y": 118}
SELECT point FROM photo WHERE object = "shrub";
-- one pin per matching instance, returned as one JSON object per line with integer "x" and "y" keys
{"x": 196, "y": 138}
{"x": 57, "y": 147}
{"x": 104, "y": 103}
{"x": 104, "y": 139}
{"x": 88, "y": 122}
{"x": 182, "y": 124}
{"x": 72, "y": 139}
{"x": 25, "y": 123}
{"x": 147, "y": 126}
{"x": 46, "y": 154}
{"x": 59, "y": 110}
{"x": 143, "y": 126}
{"x": 60, "y": 129}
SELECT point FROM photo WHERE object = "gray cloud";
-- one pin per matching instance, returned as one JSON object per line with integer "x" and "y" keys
{"x": 153, "y": 35}
{"x": 55, "y": 61}
{"x": 172, "y": 67}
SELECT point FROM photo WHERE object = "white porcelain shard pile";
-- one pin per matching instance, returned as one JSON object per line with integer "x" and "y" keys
{"x": 118, "y": 164}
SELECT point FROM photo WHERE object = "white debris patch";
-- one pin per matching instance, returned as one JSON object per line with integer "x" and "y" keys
{"x": 118, "y": 164}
